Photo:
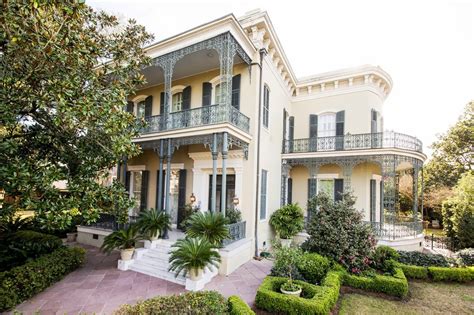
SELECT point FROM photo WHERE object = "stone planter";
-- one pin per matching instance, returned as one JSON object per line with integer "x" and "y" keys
{"x": 195, "y": 275}
{"x": 71, "y": 237}
{"x": 295, "y": 293}
{"x": 127, "y": 254}
{"x": 154, "y": 237}
{"x": 285, "y": 242}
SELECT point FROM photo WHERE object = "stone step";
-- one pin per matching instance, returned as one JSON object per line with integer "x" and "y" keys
{"x": 159, "y": 265}
{"x": 165, "y": 275}
{"x": 157, "y": 255}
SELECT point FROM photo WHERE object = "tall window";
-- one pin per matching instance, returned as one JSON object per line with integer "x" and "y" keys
{"x": 326, "y": 186}
{"x": 177, "y": 102}
{"x": 263, "y": 195}
{"x": 141, "y": 109}
{"x": 136, "y": 190}
{"x": 327, "y": 125}
{"x": 266, "y": 105}
{"x": 217, "y": 94}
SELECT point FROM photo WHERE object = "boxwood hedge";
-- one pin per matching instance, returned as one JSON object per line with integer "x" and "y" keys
{"x": 239, "y": 307}
{"x": 396, "y": 285}
{"x": 439, "y": 273}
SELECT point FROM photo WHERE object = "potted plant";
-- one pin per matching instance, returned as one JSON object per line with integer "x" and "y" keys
{"x": 153, "y": 223}
{"x": 233, "y": 215}
{"x": 291, "y": 288}
{"x": 209, "y": 226}
{"x": 286, "y": 262}
{"x": 192, "y": 255}
{"x": 287, "y": 222}
{"x": 122, "y": 239}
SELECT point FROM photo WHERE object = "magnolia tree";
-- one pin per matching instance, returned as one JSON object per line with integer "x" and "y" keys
{"x": 66, "y": 72}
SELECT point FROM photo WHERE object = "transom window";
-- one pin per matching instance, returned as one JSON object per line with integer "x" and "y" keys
{"x": 327, "y": 125}
{"x": 141, "y": 109}
{"x": 177, "y": 102}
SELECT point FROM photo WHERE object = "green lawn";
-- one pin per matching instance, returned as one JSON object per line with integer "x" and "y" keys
{"x": 425, "y": 298}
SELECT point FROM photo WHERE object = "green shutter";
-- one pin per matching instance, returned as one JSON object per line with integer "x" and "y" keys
{"x": 148, "y": 106}
{"x": 187, "y": 98}
{"x": 290, "y": 190}
{"x": 236, "y": 91}
{"x": 206, "y": 93}
{"x": 129, "y": 107}
{"x": 181, "y": 196}
{"x": 162, "y": 103}
{"x": 144, "y": 190}
{"x": 312, "y": 187}
{"x": 372, "y": 199}
{"x": 338, "y": 189}
{"x": 263, "y": 195}
{"x": 340, "y": 117}
{"x": 313, "y": 133}
{"x": 291, "y": 133}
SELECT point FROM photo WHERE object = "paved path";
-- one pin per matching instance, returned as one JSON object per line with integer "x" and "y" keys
{"x": 98, "y": 287}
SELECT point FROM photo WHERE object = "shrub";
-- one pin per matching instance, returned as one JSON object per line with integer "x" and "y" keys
{"x": 313, "y": 267}
{"x": 208, "y": 225}
{"x": 396, "y": 285}
{"x": 337, "y": 231}
{"x": 121, "y": 239}
{"x": 414, "y": 272}
{"x": 451, "y": 274}
{"x": 22, "y": 282}
{"x": 285, "y": 262}
{"x": 288, "y": 221}
{"x": 239, "y": 307}
{"x": 466, "y": 257}
{"x": 424, "y": 259}
{"x": 384, "y": 259}
{"x": 233, "y": 215}
{"x": 189, "y": 210}
{"x": 201, "y": 302}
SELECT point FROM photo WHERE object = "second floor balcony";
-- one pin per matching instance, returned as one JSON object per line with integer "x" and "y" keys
{"x": 365, "y": 141}
{"x": 197, "y": 117}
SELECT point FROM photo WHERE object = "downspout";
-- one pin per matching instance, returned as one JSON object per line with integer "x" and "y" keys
{"x": 263, "y": 52}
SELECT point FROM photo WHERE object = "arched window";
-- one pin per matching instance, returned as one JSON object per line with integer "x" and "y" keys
{"x": 327, "y": 125}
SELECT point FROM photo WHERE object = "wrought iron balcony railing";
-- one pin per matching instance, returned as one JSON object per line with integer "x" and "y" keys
{"x": 236, "y": 232}
{"x": 393, "y": 231}
{"x": 195, "y": 117}
{"x": 377, "y": 140}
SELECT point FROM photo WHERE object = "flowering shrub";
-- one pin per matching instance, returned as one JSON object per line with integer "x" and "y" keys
{"x": 466, "y": 257}
{"x": 336, "y": 231}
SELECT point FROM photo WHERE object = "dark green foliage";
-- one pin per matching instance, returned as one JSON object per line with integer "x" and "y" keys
{"x": 384, "y": 259}
{"x": 23, "y": 282}
{"x": 189, "y": 303}
{"x": 238, "y": 307}
{"x": 193, "y": 254}
{"x": 153, "y": 223}
{"x": 414, "y": 272}
{"x": 20, "y": 246}
{"x": 121, "y": 239}
{"x": 336, "y": 231}
{"x": 424, "y": 259}
{"x": 466, "y": 257}
{"x": 314, "y": 300}
{"x": 189, "y": 210}
{"x": 11, "y": 224}
{"x": 285, "y": 264}
{"x": 208, "y": 225}
{"x": 288, "y": 221}
{"x": 233, "y": 215}
{"x": 313, "y": 267}
{"x": 396, "y": 285}
{"x": 451, "y": 274}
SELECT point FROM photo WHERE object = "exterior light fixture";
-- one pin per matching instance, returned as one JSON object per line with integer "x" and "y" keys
{"x": 235, "y": 200}
{"x": 192, "y": 198}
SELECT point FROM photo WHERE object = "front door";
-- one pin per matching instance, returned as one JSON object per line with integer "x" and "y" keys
{"x": 230, "y": 191}
{"x": 177, "y": 194}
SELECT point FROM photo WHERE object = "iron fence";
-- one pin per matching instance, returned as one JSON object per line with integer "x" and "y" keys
{"x": 362, "y": 141}
{"x": 236, "y": 232}
{"x": 393, "y": 231}
{"x": 438, "y": 242}
{"x": 109, "y": 222}
{"x": 195, "y": 117}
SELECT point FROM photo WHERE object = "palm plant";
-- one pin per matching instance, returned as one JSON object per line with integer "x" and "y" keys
{"x": 193, "y": 255}
{"x": 153, "y": 223}
{"x": 208, "y": 225}
{"x": 288, "y": 221}
{"x": 121, "y": 239}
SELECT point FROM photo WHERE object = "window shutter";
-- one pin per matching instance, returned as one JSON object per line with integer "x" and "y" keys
{"x": 372, "y": 199}
{"x": 291, "y": 133}
{"x": 313, "y": 133}
{"x": 187, "y": 98}
{"x": 144, "y": 192}
{"x": 340, "y": 117}
{"x": 127, "y": 181}
{"x": 206, "y": 93}
{"x": 148, "y": 105}
{"x": 381, "y": 202}
{"x": 129, "y": 107}
{"x": 290, "y": 190}
{"x": 285, "y": 114}
{"x": 373, "y": 121}
{"x": 181, "y": 195}
{"x": 162, "y": 188}
{"x": 236, "y": 91}
{"x": 263, "y": 195}
{"x": 162, "y": 103}
{"x": 312, "y": 187}
{"x": 338, "y": 189}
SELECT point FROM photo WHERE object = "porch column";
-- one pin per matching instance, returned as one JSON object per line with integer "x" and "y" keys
{"x": 422, "y": 192}
{"x": 167, "y": 64}
{"x": 415, "y": 192}
{"x": 214, "y": 172}
{"x": 347, "y": 174}
{"x": 224, "y": 173}
{"x": 168, "y": 178}
{"x": 159, "y": 197}
{"x": 389, "y": 166}
{"x": 227, "y": 52}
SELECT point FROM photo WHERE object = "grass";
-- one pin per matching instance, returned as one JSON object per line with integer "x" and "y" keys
{"x": 425, "y": 298}
{"x": 436, "y": 232}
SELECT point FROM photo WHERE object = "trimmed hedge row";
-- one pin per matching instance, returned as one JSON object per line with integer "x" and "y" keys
{"x": 396, "y": 285}
{"x": 239, "y": 307}
{"x": 439, "y": 273}
{"x": 314, "y": 300}
{"x": 20, "y": 283}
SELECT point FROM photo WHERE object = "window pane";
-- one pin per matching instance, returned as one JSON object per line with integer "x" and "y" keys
{"x": 177, "y": 102}
{"x": 327, "y": 125}
{"x": 136, "y": 191}
{"x": 141, "y": 109}
{"x": 326, "y": 186}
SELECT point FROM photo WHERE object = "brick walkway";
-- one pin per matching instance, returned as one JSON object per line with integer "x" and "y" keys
{"x": 98, "y": 287}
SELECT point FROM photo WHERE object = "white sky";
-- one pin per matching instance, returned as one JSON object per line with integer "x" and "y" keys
{"x": 427, "y": 46}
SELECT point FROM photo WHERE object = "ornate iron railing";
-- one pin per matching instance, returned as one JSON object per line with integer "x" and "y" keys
{"x": 195, "y": 117}
{"x": 393, "y": 231}
{"x": 236, "y": 232}
{"x": 109, "y": 222}
{"x": 362, "y": 141}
